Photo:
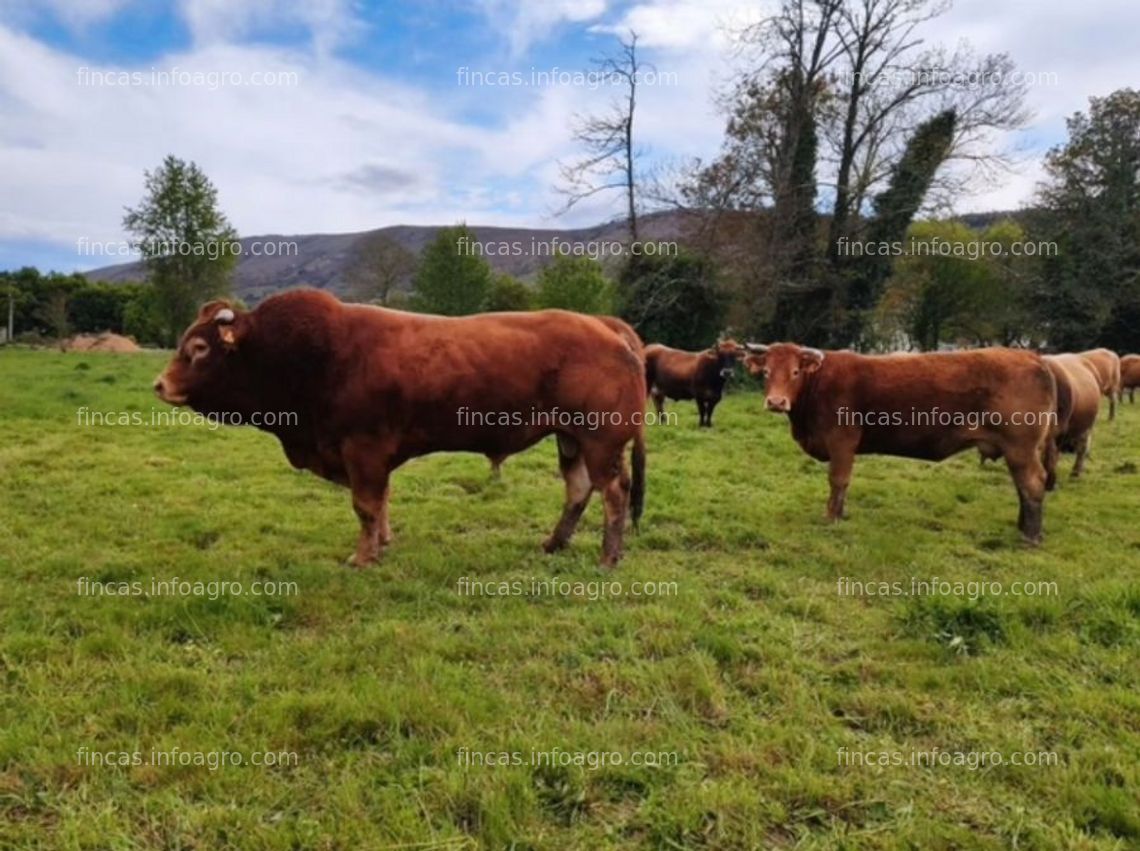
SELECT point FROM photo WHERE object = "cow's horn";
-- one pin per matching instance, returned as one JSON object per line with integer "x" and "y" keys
{"x": 816, "y": 353}
{"x": 758, "y": 348}
{"x": 225, "y": 316}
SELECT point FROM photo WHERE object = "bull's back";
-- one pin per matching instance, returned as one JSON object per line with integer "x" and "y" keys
{"x": 1106, "y": 365}
{"x": 479, "y": 382}
{"x": 671, "y": 371}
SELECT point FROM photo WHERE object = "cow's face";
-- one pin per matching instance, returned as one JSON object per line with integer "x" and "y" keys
{"x": 203, "y": 373}
{"x": 727, "y": 353}
{"x": 783, "y": 367}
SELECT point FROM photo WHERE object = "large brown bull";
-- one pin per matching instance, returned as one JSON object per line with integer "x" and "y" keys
{"x": 370, "y": 388}
{"x": 927, "y": 406}
{"x": 1106, "y": 365}
{"x": 676, "y": 374}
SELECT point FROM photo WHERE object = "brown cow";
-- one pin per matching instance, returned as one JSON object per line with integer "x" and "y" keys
{"x": 926, "y": 406}
{"x": 372, "y": 388}
{"x": 1075, "y": 428}
{"x": 1106, "y": 365}
{"x": 701, "y": 376}
{"x": 1130, "y": 375}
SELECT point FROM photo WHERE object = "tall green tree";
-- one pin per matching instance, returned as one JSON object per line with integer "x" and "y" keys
{"x": 575, "y": 283}
{"x": 509, "y": 293}
{"x": 675, "y": 300}
{"x": 187, "y": 244}
{"x": 453, "y": 279}
{"x": 895, "y": 207}
{"x": 1090, "y": 206}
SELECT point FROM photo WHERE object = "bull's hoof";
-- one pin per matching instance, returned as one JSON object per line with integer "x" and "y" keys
{"x": 1032, "y": 540}
{"x": 553, "y": 545}
{"x": 359, "y": 562}
{"x": 609, "y": 562}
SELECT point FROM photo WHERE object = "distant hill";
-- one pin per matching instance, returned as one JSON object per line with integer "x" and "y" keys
{"x": 321, "y": 260}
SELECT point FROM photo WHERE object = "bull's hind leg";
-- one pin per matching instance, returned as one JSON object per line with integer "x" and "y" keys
{"x": 1029, "y": 477}
{"x": 606, "y": 466}
{"x": 572, "y": 463}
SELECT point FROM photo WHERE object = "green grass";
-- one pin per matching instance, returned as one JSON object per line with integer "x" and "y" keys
{"x": 755, "y": 673}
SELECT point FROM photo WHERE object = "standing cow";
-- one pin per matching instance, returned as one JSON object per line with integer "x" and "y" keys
{"x": 925, "y": 406}
{"x": 1075, "y": 375}
{"x": 1130, "y": 375}
{"x": 701, "y": 376}
{"x": 1106, "y": 365}
{"x": 365, "y": 389}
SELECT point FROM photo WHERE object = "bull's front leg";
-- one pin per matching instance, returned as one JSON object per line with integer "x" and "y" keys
{"x": 839, "y": 477}
{"x": 368, "y": 472}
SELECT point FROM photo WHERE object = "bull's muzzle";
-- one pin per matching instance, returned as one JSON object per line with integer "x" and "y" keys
{"x": 779, "y": 404}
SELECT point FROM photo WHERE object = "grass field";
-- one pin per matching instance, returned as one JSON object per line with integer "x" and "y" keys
{"x": 743, "y": 680}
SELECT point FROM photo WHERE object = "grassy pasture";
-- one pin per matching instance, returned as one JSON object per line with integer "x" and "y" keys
{"x": 754, "y": 673}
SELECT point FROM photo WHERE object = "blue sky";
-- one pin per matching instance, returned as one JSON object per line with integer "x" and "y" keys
{"x": 367, "y": 124}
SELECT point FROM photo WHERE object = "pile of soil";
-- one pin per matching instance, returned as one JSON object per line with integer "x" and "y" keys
{"x": 105, "y": 342}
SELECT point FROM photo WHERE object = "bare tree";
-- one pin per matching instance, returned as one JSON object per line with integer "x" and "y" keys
{"x": 610, "y": 161}
{"x": 379, "y": 264}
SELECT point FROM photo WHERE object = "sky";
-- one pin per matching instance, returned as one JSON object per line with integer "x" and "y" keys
{"x": 347, "y": 115}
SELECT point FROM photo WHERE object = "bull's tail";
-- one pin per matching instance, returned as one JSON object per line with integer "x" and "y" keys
{"x": 1064, "y": 405}
{"x": 637, "y": 485}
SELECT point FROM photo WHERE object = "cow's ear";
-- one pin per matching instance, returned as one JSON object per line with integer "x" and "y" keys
{"x": 811, "y": 360}
{"x": 232, "y": 326}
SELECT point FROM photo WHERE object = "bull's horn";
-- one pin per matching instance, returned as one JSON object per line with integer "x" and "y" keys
{"x": 816, "y": 353}
{"x": 758, "y": 348}
{"x": 225, "y": 316}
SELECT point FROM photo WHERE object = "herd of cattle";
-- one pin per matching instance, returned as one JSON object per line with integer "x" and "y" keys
{"x": 370, "y": 388}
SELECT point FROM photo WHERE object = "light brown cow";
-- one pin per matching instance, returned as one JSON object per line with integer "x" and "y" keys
{"x": 1106, "y": 365}
{"x": 1083, "y": 386}
{"x": 1130, "y": 375}
{"x": 370, "y": 388}
{"x": 677, "y": 374}
{"x": 927, "y": 406}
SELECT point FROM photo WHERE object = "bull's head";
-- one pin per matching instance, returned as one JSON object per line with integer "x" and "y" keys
{"x": 727, "y": 353}
{"x": 202, "y": 373}
{"x": 783, "y": 367}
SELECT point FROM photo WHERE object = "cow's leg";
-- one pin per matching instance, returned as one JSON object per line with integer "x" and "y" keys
{"x": 496, "y": 466}
{"x": 702, "y": 413}
{"x": 839, "y": 477}
{"x": 572, "y": 463}
{"x": 1111, "y": 405}
{"x": 658, "y": 401}
{"x": 1082, "y": 447}
{"x": 710, "y": 407}
{"x": 370, "y": 502}
{"x": 369, "y": 466}
{"x": 606, "y": 467}
{"x": 1029, "y": 477}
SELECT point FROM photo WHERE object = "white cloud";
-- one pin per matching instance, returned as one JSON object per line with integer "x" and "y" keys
{"x": 525, "y": 22}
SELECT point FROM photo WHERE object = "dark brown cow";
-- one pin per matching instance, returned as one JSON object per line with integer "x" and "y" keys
{"x": 701, "y": 376}
{"x": 372, "y": 388}
{"x": 1106, "y": 365}
{"x": 926, "y": 406}
{"x": 1075, "y": 430}
{"x": 1130, "y": 375}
